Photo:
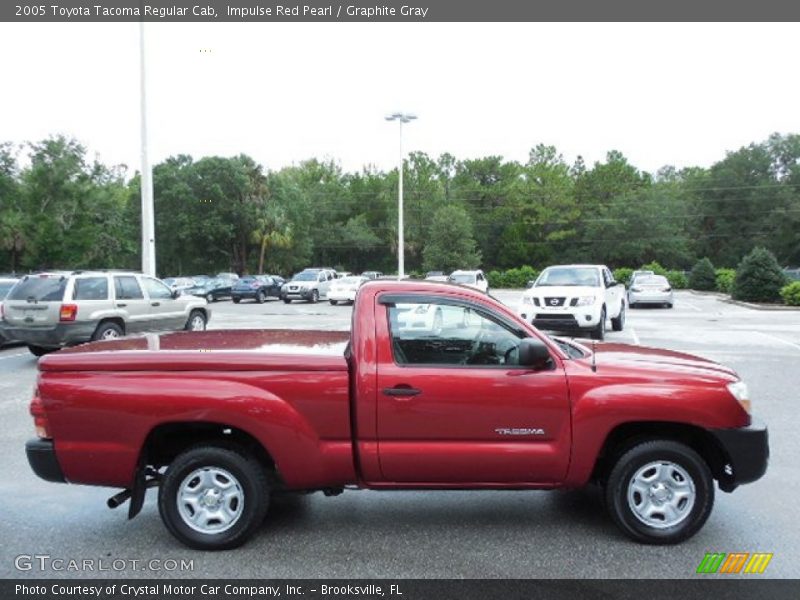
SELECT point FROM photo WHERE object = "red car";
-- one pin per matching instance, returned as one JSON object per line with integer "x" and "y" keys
{"x": 475, "y": 399}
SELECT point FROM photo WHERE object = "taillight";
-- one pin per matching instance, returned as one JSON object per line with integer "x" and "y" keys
{"x": 68, "y": 312}
{"x": 40, "y": 417}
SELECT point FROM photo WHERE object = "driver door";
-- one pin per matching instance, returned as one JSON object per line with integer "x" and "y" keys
{"x": 454, "y": 408}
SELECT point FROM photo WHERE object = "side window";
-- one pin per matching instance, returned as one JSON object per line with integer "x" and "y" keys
{"x": 127, "y": 288}
{"x": 91, "y": 288}
{"x": 607, "y": 279}
{"x": 155, "y": 289}
{"x": 444, "y": 334}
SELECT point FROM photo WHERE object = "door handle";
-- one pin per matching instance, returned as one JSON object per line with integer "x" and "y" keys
{"x": 155, "y": 304}
{"x": 121, "y": 305}
{"x": 401, "y": 390}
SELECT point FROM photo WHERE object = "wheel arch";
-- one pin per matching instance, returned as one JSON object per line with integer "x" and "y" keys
{"x": 119, "y": 321}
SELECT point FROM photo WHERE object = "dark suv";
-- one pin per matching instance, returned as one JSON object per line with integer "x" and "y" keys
{"x": 257, "y": 287}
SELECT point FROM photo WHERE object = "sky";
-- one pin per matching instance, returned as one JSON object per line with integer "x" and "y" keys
{"x": 662, "y": 94}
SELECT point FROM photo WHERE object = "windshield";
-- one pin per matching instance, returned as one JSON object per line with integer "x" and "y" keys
{"x": 351, "y": 280}
{"x": 40, "y": 289}
{"x": 462, "y": 278}
{"x": 305, "y": 276}
{"x": 570, "y": 276}
{"x": 651, "y": 280}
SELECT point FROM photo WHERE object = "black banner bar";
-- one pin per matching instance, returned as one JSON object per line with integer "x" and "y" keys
{"x": 734, "y": 587}
{"x": 397, "y": 11}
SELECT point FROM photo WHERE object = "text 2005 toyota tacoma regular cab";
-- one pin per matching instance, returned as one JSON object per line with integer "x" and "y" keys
{"x": 437, "y": 387}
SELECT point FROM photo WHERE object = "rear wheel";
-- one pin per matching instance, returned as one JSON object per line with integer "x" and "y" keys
{"x": 333, "y": 302}
{"x": 107, "y": 331}
{"x": 197, "y": 321}
{"x": 261, "y": 297}
{"x": 213, "y": 498}
{"x": 287, "y": 300}
{"x": 668, "y": 304}
{"x": 660, "y": 492}
{"x": 40, "y": 350}
{"x": 236, "y": 299}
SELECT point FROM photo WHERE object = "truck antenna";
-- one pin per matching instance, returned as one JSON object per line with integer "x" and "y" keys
{"x": 594, "y": 356}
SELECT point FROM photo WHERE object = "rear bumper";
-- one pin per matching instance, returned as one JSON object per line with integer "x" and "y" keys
{"x": 345, "y": 296}
{"x": 63, "y": 334}
{"x": 747, "y": 450}
{"x": 42, "y": 459}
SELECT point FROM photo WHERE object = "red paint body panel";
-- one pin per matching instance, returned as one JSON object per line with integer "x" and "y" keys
{"x": 326, "y": 423}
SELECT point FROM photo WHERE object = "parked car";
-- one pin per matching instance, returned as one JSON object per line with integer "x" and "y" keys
{"x": 650, "y": 289}
{"x": 636, "y": 274}
{"x": 257, "y": 287}
{"x": 474, "y": 279}
{"x": 372, "y": 274}
{"x": 48, "y": 311}
{"x": 309, "y": 285}
{"x": 212, "y": 289}
{"x": 180, "y": 284}
{"x": 345, "y": 289}
{"x": 489, "y": 402}
{"x": 575, "y": 299}
{"x": 436, "y": 276}
{"x": 6, "y": 283}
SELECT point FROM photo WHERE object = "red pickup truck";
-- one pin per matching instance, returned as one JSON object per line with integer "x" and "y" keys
{"x": 437, "y": 386}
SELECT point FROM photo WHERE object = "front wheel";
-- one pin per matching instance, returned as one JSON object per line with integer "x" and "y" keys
{"x": 287, "y": 300}
{"x": 599, "y": 332}
{"x": 236, "y": 299}
{"x": 107, "y": 331}
{"x": 333, "y": 302}
{"x": 314, "y": 297}
{"x": 619, "y": 322}
{"x": 197, "y": 321}
{"x": 40, "y": 350}
{"x": 213, "y": 498}
{"x": 660, "y": 492}
{"x": 261, "y": 297}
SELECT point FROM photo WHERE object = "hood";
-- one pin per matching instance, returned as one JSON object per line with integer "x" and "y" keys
{"x": 667, "y": 363}
{"x": 570, "y": 291}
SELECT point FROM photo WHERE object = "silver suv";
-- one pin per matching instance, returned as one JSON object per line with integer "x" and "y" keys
{"x": 50, "y": 310}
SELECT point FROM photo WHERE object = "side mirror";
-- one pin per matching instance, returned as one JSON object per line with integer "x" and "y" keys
{"x": 529, "y": 285}
{"x": 175, "y": 294}
{"x": 534, "y": 353}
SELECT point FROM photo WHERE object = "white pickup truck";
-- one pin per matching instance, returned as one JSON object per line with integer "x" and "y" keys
{"x": 575, "y": 298}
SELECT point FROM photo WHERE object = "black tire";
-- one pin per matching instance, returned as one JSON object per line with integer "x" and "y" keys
{"x": 640, "y": 456}
{"x": 236, "y": 299}
{"x": 196, "y": 315}
{"x": 619, "y": 322}
{"x": 333, "y": 302}
{"x": 287, "y": 300}
{"x": 40, "y": 350}
{"x": 599, "y": 332}
{"x": 260, "y": 297}
{"x": 314, "y": 297}
{"x": 107, "y": 330}
{"x": 669, "y": 305}
{"x": 249, "y": 475}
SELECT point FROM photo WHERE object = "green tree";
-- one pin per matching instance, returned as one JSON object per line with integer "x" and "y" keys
{"x": 452, "y": 245}
{"x": 703, "y": 277}
{"x": 759, "y": 278}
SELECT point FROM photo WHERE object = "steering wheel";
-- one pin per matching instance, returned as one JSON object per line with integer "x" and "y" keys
{"x": 508, "y": 352}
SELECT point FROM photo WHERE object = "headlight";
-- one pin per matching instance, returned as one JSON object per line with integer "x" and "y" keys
{"x": 739, "y": 391}
{"x": 527, "y": 299}
{"x": 585, "y": 301}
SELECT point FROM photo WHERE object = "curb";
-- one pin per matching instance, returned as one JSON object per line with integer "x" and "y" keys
{"x": 728, "y": 300}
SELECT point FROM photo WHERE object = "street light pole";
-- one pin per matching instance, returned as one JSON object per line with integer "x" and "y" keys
{"x": 148, "y": 225}
{"x": 401, "y": 118}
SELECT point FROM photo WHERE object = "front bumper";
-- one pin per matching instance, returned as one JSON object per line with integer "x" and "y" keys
{"x": 562, "y": 319}
{"x": 42, "y": 459}
{"x": 301, "y": 294}
{"x": 747, "y": 453}
{"x": 63, "y": 334}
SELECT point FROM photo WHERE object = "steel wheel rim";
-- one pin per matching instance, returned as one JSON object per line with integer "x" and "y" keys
{"x": 110, "y": 334}
{"x": 197, "y": 323}
{"x": 661, "y": 494}
{"x": 210, "y": 500}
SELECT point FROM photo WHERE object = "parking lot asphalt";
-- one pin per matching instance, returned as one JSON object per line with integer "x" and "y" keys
{"x": 435, "y": 534}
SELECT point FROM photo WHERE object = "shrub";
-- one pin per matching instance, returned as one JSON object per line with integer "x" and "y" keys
{"x": 791, "y": 293}
{"x": 703, "y": 277}
{"x": 758, "y": 277}
{"x": 512, "y": 278}
{"x": 724, "y": 280}
{"x": 655, "y": 267}
{"x": 623, "y": 275}
{"x": 496, "y": 279}
{"x": 677, "y": 280}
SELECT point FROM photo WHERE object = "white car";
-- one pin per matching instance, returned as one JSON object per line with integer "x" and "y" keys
{"x": 575, "y": 298}
{"x": 345, "y": 289}
{"x": 650, "y": 289}
{"x": 431, "y": 319}
{"x": 474, "y": 279}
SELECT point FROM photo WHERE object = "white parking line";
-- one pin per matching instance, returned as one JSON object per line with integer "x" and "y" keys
{"x": 777, "y": 339}
{"x": 692, "y": 306}
{"x": 635, "y": 337}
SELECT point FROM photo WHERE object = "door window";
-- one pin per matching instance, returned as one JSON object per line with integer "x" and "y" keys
{"x": 91, "y": 288}
{"x": 127, "y": 288}
{"x": 155, "y": 289}
{"x": 445, "y": 334}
